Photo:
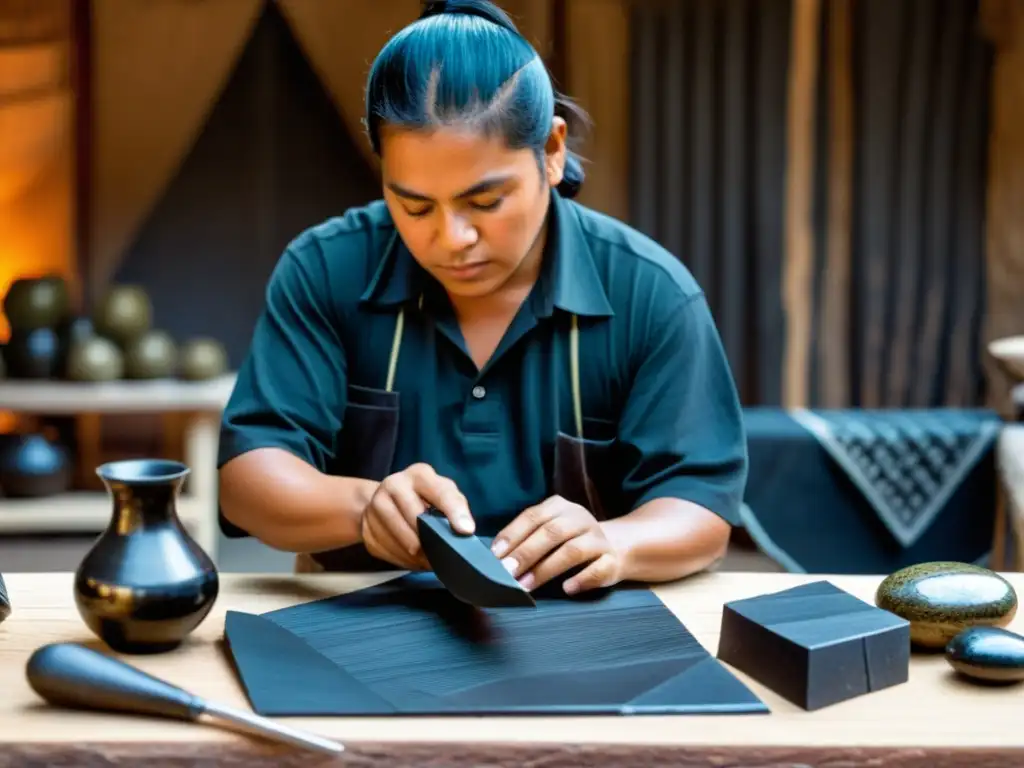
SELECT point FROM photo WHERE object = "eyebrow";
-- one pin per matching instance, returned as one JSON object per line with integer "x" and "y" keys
{"x": 477, "y": 189}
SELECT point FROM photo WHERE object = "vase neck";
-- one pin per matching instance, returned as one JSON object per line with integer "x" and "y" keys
{"x": 144, "y": 505}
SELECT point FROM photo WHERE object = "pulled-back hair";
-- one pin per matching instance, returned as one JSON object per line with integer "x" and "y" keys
{"x": 464, "y": 64}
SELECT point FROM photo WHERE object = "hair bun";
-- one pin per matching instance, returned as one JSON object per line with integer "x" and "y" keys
{"x": 481, "y": 8}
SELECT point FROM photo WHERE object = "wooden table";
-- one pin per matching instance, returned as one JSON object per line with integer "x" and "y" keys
{"x": 934, "y": 720}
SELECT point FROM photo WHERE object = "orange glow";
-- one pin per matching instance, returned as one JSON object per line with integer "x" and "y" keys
{"x": 35, "y": 229}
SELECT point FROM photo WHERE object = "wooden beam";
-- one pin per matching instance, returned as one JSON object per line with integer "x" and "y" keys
{"x": 799, "y": 231}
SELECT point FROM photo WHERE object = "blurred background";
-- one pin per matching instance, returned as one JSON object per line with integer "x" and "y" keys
{"x": 845, "y": 178}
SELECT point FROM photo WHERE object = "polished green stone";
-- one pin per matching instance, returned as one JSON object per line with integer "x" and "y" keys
{"x": 940, "y": 599}
{"x": 989, "y": 654}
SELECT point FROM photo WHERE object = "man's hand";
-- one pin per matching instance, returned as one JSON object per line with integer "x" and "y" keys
{"x": 545, "y": 541}
{"x": 388, "y": 523}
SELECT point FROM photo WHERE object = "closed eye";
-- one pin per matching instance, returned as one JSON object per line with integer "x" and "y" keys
{"x": 488, "y": 206}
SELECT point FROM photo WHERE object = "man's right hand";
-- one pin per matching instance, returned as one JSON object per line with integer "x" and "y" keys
{"x": 389, "y": 521}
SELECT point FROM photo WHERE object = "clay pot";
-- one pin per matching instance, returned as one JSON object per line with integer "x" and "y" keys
{"x": 151, "y": 356}
{"x": 145, "y": 584}
{"x": 95, "y": 359}
{"x": 124, "y": 314}
{"x": 36, "y": 302}
{"x": 33, "y": 354}
{"x": 202, "y": 359}
{"x": 32, "y": 466}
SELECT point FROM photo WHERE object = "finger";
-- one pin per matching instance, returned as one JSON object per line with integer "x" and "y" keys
{"x": 524, "y": 524}
{"x": 407, "y": 501}
{"x": 442, "y": 493}
{"x": 603, "y": 572}
{"x": 381, "y": 544}
{"x": 543, "y": 541}
{"x": 385, "y": 510}
{"x": 576, "y": 551}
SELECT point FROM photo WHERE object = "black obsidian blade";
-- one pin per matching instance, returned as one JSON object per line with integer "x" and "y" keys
{"x": 467, "y": 567}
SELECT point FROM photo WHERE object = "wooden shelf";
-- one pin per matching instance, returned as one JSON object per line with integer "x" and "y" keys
{"x": 71, "y": 397}
{"x": 76, "y": 512}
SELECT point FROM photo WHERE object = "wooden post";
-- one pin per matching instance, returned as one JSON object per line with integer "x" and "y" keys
{"x": 799, "y": 232}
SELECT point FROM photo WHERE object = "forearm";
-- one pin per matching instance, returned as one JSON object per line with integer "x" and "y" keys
{"x": 289, "y": 505}
{"x": 667, "y": 539}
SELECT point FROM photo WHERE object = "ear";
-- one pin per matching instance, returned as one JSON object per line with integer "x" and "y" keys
{"x": 554, "y": 152}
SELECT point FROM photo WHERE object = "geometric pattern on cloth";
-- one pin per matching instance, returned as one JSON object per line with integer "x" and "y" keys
{"x": 907, "y": 463}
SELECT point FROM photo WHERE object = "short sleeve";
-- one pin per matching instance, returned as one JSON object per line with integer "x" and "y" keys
{"x": 291, "y": 386}
{"x": 682, "y": 425}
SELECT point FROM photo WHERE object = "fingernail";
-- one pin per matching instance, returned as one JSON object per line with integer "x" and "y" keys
{"x": 571, "y": 587}
{"x": 466, "y": 523}
{"x": 527, "y": 582}
{"x": 499, "y": 548}
{"x": 510, "y": 565}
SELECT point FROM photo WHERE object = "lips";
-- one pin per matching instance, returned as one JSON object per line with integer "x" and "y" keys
{"x": 467, "y": 270}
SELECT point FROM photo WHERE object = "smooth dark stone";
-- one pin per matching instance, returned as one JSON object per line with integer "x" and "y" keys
{"x": 202, "y": 359}
{"x": 32, "y": 303}
{"x": 991, "y": 654}
{"x": 941, "y": 599}
{"x": 153, "y": 355}
{"x": 33, "y": 354}
{"x": 94, "y": 359}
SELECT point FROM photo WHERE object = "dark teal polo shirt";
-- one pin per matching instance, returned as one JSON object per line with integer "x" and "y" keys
{"x": 654, "y": 376}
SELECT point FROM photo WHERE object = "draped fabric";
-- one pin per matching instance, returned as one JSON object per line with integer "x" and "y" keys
{"x": 917, "y": 288}
{"x": 158, "y": 69}
{"x": 340, "y": 45}
{"x": 709, "y": 82}
{"x": 892, "y": 291}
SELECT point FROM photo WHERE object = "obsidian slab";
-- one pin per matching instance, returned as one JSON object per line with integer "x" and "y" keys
{"x": 815, "y": 644}
{"x": 410, "y": 647}
{"x": 466, "y": 565}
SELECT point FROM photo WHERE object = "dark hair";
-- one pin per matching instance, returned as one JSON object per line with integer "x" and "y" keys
{"x": 463, "y": 62}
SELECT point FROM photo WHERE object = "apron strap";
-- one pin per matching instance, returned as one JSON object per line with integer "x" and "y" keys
{"x": 574, "y": 372}
{"x": 396, "y": 345}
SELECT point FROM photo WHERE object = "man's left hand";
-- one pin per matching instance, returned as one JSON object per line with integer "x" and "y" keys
{"x": 546, "y": 540}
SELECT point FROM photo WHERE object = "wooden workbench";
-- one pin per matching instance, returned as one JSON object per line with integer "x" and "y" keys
{"x": 934, "y": 720}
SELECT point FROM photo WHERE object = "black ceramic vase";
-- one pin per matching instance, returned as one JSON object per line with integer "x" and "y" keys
{"x": 32, "y": 466}
{"x": 146, "y": 584}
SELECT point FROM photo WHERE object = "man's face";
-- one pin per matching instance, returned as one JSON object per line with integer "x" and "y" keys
{"x": 468, "y": 208}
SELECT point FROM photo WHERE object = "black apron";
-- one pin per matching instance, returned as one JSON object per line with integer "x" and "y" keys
{"x": 370, "y": 438}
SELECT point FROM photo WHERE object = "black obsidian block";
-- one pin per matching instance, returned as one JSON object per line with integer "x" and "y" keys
{"x": 815, "y": 644}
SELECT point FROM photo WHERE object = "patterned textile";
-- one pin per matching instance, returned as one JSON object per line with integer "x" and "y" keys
{"x": 907, "y": 463}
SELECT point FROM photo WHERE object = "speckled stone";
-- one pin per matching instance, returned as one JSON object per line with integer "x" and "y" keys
{"x": 940, "y": 599}
{"x": 990, "y": 654}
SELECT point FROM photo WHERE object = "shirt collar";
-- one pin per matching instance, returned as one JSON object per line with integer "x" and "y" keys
{"x": 568, "y": 281}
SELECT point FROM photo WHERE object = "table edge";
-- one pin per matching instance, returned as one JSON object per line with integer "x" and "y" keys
{"x": 256, "y": 754}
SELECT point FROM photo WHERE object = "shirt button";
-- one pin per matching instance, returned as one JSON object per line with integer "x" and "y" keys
{"x": 479, "y": 392}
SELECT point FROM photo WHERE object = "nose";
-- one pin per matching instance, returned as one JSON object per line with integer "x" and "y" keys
{"x": 457, "y": 232}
